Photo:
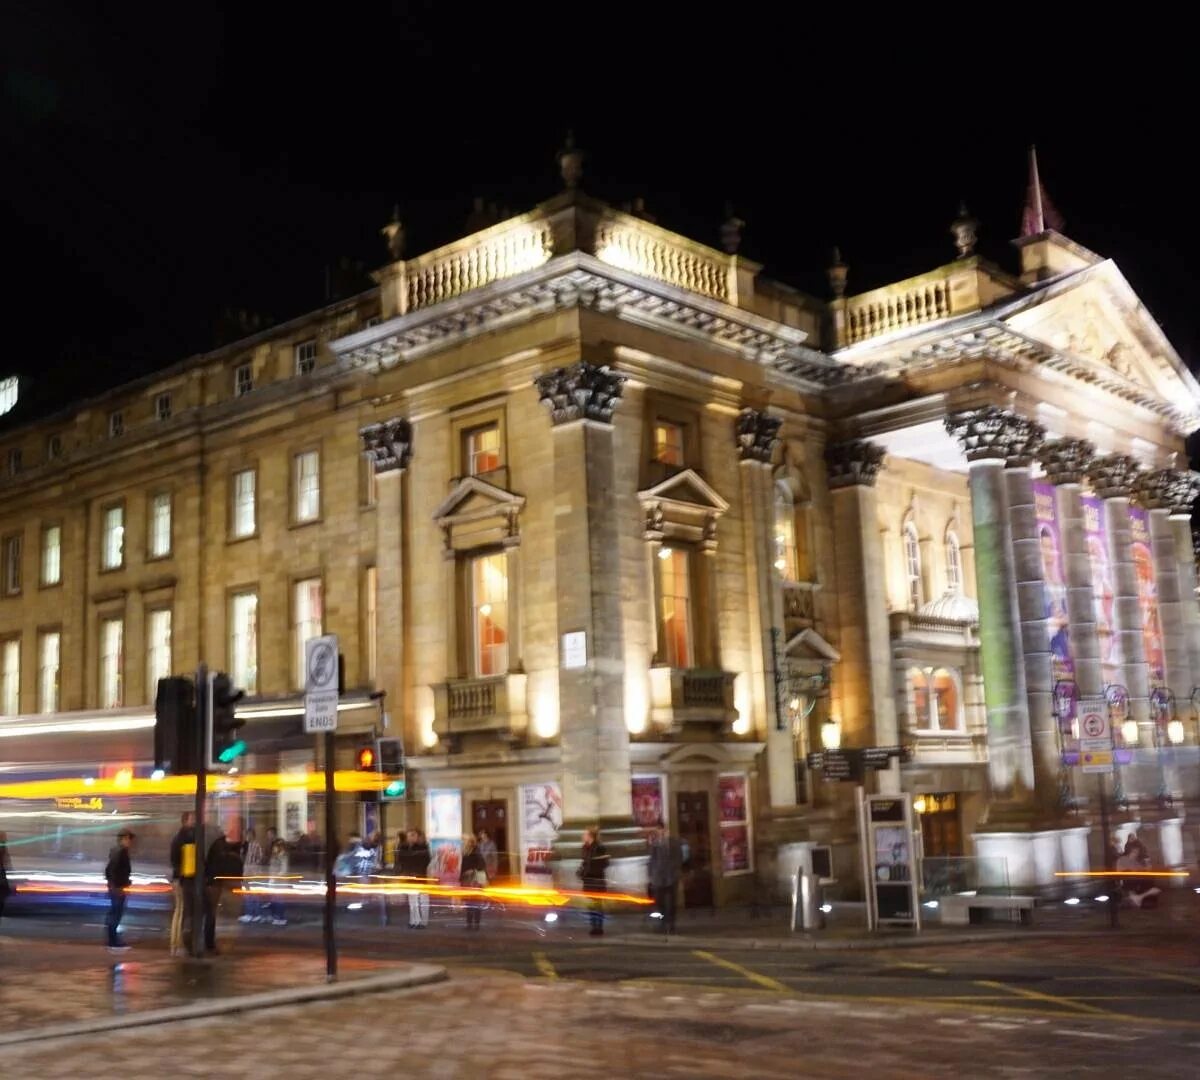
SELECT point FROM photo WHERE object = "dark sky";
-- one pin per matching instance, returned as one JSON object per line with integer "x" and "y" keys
{"x": 156, "y": 167}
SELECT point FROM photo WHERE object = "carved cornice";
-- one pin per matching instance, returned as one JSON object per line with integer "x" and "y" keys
{"x": 757, "y": 435}
{"x": 1066, "y": 461}
{"x": 1114, "y": 475}
{"x": 991, "y": 433}
{"x": 853, "y": 462}
{"x": 388, "y": 445}
{"x": 581, "y": 391}
{"x": 1169, "y": 489}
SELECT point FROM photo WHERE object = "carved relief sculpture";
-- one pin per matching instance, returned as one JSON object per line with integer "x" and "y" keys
{"x": 757, "y": 434}
{"x": 580, "y": 391}
{"x": 853, "y": 462}
{"x": 1168, "y": 489}
{"x": 993, "y": 433}
{"x": 388, "y": 445}
{"x": 1114, "y": 475}
{"x": 1066, "y": 461}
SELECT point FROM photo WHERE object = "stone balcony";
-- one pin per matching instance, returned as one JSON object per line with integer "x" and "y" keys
{"x": 683, "y": 697}
{"x": 479, "y": 706}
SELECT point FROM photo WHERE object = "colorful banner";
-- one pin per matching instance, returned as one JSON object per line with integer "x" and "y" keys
{"x": 1142, "y": 552}
{"x": 1095, "y": 532}
{"x": 541, "y": 818}
{"x": 1054, "y": 582}
{"x": 647, "y": 794}
{"x": 734, "y": 823}
{"x": 732, "y": 791}
{"x": 443, "y": 827}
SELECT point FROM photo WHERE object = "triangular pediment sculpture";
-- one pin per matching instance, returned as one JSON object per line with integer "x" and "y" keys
{"x": 810, "y": 645}
{"x": 477, "y": 514}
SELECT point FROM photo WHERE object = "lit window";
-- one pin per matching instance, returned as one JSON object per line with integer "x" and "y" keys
{"x": 912, "y": 566}
{"x": 306, "y": 357}
{"x": 489, "y": 613}
{"x": 10, "y": 677}
{"x": 922, "y": 718}
{"x": 112, "y": 554}
{"x": 243, "y": 379}
{"x": 49, "y": 658}
{"x": 245, "y": 516}
{"x": 112, "y": 663}
{"x": 953, "y": 563}
{"x": 674, "y": 608}
{"x": 785, "y": 537}
{"x": 483, "y": 449}
{"x": 52, "y": 555}
{"x": 158, "y": 649}
{"x": 116, "y": 424}
{"x": 308, "y": 611}
{"x": 8, "y": 394}
{"x": 12, "y": 565}
{"x": 668, "y": 443}
{"x": 937, "y": 701}
{"x": 160, "y": 526}
{"x": 53, "y": 447}
{"x": 308, "y": 485}
{"x": 243, "y": 643}
{"x": 945, "y": 701}
{"x": 162, "y": 407}
{"x": 371, "y": 588}
{"x": 14, "y": 461}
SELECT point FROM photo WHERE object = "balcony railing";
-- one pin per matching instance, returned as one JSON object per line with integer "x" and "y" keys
{"x": 494, "y": 704}
{"x": 691, "y": 696}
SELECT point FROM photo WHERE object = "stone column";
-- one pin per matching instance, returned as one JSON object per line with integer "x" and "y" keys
{"x": 989, "y": 437}
{"x": 389, "y": 446}
{"x": 1184, "y": 492}
{"x": 593, "y": 737}
{"x": 864, "y": 676}
{"x": 757, "y": 434}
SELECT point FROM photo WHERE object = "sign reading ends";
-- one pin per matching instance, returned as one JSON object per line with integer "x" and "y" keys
{"x": 321, "y": 683}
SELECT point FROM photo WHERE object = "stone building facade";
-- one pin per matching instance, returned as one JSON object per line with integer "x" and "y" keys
{"x": 621, "y": 529}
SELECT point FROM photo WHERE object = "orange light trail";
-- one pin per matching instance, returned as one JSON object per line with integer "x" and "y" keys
{"x": 347, "y": 780}
{"x": 1123, "y": 873}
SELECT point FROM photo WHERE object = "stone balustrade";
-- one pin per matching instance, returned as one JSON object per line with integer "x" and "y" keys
{"x": 681, "y": 696}
{"x": 494, "y": 703}
{"x": 895, "y": 307}
{"x": 655, "y": 253}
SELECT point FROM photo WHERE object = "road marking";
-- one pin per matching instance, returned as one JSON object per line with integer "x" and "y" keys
{"x": 542, "y": 961}
{"x": 998, "y": 1025}
{"x": 918, "y": 967}
{"x": 1035, "y": 995}
{"x": 1167, "y": 975}
{"x": 1107, "y": 1036}
{"x": 745, "y": 972}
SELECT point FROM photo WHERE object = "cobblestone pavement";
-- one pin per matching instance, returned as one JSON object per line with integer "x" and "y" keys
{"x": 504, "y": 1026}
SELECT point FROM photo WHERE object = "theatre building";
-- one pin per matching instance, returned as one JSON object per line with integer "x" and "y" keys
{"x": 625, "y": 531}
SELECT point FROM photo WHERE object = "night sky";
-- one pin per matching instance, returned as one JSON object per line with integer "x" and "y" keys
{"x": 155, "y": 169}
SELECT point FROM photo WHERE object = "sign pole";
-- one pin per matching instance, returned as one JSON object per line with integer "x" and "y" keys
{"x": 1114, "y": 898}
{"x": 200, "y": 749}
{"x": 330, "y": 857}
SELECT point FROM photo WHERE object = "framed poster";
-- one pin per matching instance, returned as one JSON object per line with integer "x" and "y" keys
{"x": 891, "y": 860}
{"x": 541, "y": 818}
{"x": 649, "y": 801}
{"x": 443, "y": 828}
{"x": 734, "y": 821}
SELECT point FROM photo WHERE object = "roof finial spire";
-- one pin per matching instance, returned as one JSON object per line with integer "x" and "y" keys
{"x": 837, "y": 272}
{"x": 965, "y": 230}
{"x": 570, "y": 162}
{"x": 1039, "y": 214}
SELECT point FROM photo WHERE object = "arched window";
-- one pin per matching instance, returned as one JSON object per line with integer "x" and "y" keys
{"x": 912, "y": 565}
{"x": 947, "y": 701}
{"x": 953, "y": 562}
{"x": 920, "y": 694}
{"x": 785, "y": 534}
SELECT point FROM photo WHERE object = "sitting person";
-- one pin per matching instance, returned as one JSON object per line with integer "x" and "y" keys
{"x": 1136, "y": 890}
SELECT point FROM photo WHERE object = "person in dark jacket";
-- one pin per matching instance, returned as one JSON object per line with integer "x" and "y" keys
{"x": 412, "y": 861}
{"x": 183, "y": 874}
{"x": 473, "y": 876}
{"x": 222, "y": 866}
{"x": 666, "y": 867}
{"x": 5, "y": 867}
{"x": 119, "y": 875}
{"x": 593, "y": 870}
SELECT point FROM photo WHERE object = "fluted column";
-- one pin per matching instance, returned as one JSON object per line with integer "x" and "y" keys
{"x": 989, "y": 437}
{"x": 1184, "y": 492}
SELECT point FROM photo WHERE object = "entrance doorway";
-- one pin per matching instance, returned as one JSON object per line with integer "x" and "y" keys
{"x": 691, "y": 813}
{"x": 492, "y": 814}
{"x": 941, "y": 834}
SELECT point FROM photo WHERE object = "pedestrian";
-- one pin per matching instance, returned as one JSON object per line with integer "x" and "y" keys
{"x": 666, "y": 868}
{"x": 278, "y": 870}
{"x": 412, "y": 861}
{"x": 254, "y": 909}
{"x": 119, "y": 875}
{"x": 183, "y": 875}
{"x": 473, "y": 875}
{"x": 593, "y": 870}
{"x": 5, "y": 867}
{"x": 222, "y": 866}
{"x": 491, "y": 857}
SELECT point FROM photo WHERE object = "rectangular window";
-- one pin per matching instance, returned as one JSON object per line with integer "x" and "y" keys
{"x": 10, "y": 676}
{"x": 243, "y": 641}
{"x": 112, "y": 540}
{"x": 489, "y": 613}
{"x": 49, "y": 658}
{"x": 53, "y": 447}
{"x": 160, "y": 526}
{"x": 52, "y": 555}
{"x": 785, "y": 539}
{"x": 12, "y": 565}
{"x": 14, "y": 461}
{"x": 668, "y": 443}
{"x": 243, "y": 379}
{"x": 112, "y": 663}
{"x": 308, "y": 612}
{"x": 371, "y": 603}
{"x": 244, "y": 509}
{"x": 306, "y": 357}
{"x": 158, "y": 649}
{"x": 162, "y": 407}
{"x": 116, "y": 424}
{"x": 307, "y": 473}
{"x": 483, "y": 449}
{"x": 674, "y": 608}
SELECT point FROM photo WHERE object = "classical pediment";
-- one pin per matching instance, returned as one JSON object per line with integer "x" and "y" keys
{"x": 809, "y": 645}
{"x": 478, "y": 514}
{"x": 685, "y": 488}
{"x": 683, "y": 507}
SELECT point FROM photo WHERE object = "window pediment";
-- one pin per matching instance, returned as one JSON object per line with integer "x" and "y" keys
{"x": 478, "y": 514}
{"x": 683, "y": 507}
{"x": 808, "y": 645}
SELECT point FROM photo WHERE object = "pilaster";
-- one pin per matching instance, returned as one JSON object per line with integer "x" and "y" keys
{"x": 1184, "y": 492}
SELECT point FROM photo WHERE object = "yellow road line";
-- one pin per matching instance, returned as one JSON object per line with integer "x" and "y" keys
{"x": 745, "y": 972}
{"x": 544, "y": 966}
{"x": 1034, "y": 995}
{"x": 1165, "y": 975}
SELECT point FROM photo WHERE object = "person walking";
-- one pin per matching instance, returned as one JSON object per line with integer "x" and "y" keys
{"x": 278, "y": 870}
{"x": 118, "y": 873}
{"x": 183, "y": 874}
{"x": 254, "y": 909}
{"x": 222, "y": 865}
{"x": 666, "y": 868}
{"x": 593, "y": 870}
{"x": 412, "y": 861}
{"x": 5, "y": 867}
{"x": 491, "y": 856}
{"x": 473, "y": 876}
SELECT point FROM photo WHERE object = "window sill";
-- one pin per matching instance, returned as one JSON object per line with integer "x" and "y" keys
{"x": 160, "y": 558}
{"x": 306, "y": 524}
{"x": 242, "y": 539}
{"x": 50, "y": 584}
{"x": 111, "y": 569}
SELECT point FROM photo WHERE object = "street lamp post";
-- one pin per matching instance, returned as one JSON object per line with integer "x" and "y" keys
{"x": 1166, "y": 726}
{"x": 1066, "y": 701}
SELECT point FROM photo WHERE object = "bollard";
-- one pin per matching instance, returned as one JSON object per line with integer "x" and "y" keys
{"x": 806, "y": 902}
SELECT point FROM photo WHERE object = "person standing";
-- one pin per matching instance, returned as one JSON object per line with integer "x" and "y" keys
{"x": 253, "y": 908}
{"x": 593, "y": 870}
{"x": 119, "y": 875}
{"x": 5, "y": 867}
{"x": 491, "y": 856}
{"x": 666, "y": 868}
{"x": 473, "y": 875}
{"x": 412, "y": 861}
{"x": 278, "y": 869}
{"x": 183, "y": 874}
{"x": 222, "y": 865}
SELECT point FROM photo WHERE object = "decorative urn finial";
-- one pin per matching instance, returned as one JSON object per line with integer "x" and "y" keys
{"x": 393, "y": 234}
{"x": 570, "y": 162}
{"x": 836, "y": 273}
{"x": 965, "y": 230}
{"x": 731, "y": 231}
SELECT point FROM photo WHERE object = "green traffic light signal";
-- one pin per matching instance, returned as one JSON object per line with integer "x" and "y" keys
{"x": 396, "y": 787}
{"x": 231, "y": 752}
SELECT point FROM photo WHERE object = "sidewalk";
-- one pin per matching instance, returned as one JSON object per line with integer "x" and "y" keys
{"x": 52, "y": 990}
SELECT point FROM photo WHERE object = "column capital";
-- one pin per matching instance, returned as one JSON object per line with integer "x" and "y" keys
{"x": 1169, "y": 489}
{"x": 580, "y": 391}
{"x": 1066, "y": 461}
{"x": 757, "y": 435}
{"x": 991, "y": 433}
{"x": 853, "y": 462}
{"x": 1114, "y": 476}
{"x": 389, "y": 445}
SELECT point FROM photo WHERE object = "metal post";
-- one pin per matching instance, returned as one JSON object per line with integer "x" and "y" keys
{"x": 201, "y": 751}
{"x": 330, "y": 857}
{"x": 1114, "y": 897}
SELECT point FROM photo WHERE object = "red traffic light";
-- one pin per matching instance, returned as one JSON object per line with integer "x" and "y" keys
{"x": 366, "y": 757}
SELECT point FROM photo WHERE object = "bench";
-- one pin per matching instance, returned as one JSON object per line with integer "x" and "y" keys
{"x": 961, "y": 910}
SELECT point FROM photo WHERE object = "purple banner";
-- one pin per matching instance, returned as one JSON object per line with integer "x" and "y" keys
{"x": 1054, "y": 583}
{"x": 1142, "y": 552}
{"x": 1095, "y": 533}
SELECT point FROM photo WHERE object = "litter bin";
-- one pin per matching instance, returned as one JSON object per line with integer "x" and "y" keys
{"x": 806, "y": 902}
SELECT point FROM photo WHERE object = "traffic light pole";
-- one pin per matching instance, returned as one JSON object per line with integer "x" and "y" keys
{"x": 201, "y": 748}
{"x": 330, "y": 857}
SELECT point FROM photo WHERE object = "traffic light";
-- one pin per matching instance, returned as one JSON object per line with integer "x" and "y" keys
{"x": 391, "y": 765}
{"x": 367, "y": 759}
{"x": 175, "y": 726}
{"x": 224, "y": 743}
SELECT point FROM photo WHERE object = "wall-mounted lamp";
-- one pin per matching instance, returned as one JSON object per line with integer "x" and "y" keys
{"x": 1129, "y": 732}
{"x": 831, "y": 734}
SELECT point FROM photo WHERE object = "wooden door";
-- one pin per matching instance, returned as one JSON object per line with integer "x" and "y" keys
{"x": 691, "y": 816}
{"x": 492, "y": 815}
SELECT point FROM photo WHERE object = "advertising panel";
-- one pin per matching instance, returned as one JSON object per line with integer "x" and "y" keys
{"x": 1054, "y": 582}
{"x": 1095, "y": 532}
{"x": 443, "y": 828}
{"x": 541, "y": 818}
{"x": 734, "y": 823}
{"x": 1142, "y": 553}
{"x": 648, "y": 807}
